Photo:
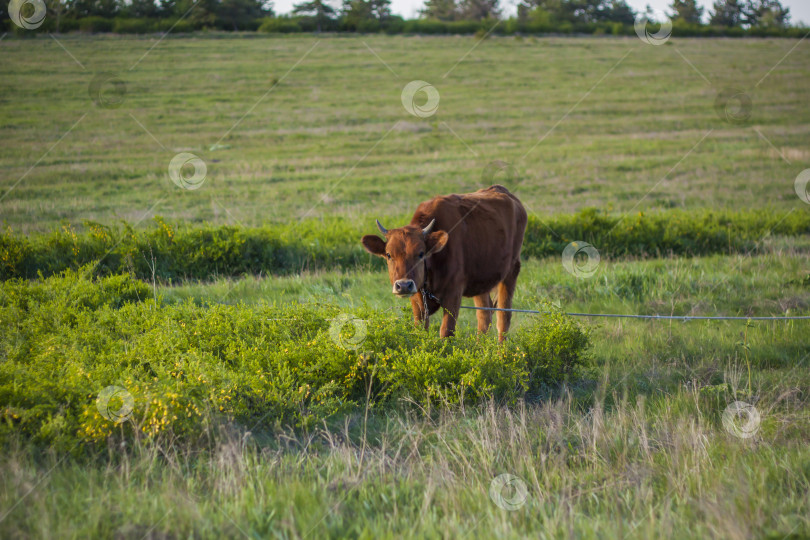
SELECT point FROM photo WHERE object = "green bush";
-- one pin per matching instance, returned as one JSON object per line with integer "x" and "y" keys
{"x": 176, "y": 27}
{"x": 537, "y": 22}
{"x": 66, "y": 25}
{"x": 280, "y": 25}
{"x": 66, "y": 338}
{"x": 424, "y": 26}
{"x": 683, "y": 28}
{"x": 675, "y": 232}
{"x": 133, "y": 26}
{"x": 182, "y": 251}
{"x": 95, "y": 24}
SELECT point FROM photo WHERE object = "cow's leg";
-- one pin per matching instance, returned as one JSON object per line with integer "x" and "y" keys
{"x": 420, "y": 314}
{"x": 484, "y": 317}
{"x": 452, "y": 306}
{"x": 506, "y": 289}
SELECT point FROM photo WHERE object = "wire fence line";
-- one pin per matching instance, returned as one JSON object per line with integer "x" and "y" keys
{"x": 665, "y": 317}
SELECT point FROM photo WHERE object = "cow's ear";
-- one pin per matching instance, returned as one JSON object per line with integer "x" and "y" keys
{"x": 436, "y": 241}
{"x": 374, "y": 244}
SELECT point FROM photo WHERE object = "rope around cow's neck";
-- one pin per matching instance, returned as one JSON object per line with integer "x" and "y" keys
{"x": 426, "y": 293}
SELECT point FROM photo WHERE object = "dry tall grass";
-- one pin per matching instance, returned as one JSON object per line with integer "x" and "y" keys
{"x": 610, "y": 469}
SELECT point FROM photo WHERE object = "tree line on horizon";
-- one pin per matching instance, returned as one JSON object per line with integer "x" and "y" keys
{"x": 725, "y": 17}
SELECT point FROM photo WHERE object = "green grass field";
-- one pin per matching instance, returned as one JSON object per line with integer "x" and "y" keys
{"x": 316, "y": 127}
{"x": 635, "y": 440}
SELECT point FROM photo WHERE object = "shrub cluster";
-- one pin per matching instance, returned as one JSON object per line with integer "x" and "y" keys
{"x": 675, "y": 232}
{"x": 95, "y": 24}
{"x": 187, "y": 367}
{"x": 392, "y": 25}
{"x": 182, "y": 251}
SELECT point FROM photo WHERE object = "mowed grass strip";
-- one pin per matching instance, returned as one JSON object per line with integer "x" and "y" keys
{"x": 623, "y": 125}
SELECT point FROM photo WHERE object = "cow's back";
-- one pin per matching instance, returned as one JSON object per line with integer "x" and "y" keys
{"x": 486, "y": 230}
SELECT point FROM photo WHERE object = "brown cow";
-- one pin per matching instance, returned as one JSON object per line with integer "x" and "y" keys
{"x": 454, "y": 246}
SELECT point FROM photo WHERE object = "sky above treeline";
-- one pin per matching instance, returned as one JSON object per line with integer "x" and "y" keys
{"x": 799, "y": 9}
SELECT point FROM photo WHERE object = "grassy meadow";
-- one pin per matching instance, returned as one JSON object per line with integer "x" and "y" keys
{"x": 302, "y": 126}
{"x": 275, "y": 389}
{"x": 633, "y": 445}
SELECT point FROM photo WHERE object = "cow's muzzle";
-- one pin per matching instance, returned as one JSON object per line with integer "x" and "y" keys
{"x": 404, "y": 287}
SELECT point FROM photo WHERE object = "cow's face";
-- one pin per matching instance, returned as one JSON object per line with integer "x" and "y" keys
{"x": 406, "y": 249}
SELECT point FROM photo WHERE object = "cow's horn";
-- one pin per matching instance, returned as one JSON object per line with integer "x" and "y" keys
{"x": 427, "y": 229}
{"x": 382, "y": 229}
